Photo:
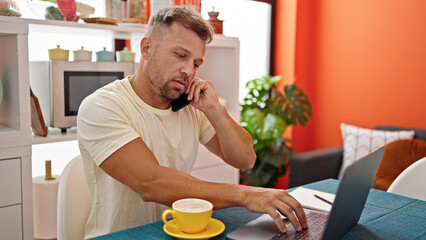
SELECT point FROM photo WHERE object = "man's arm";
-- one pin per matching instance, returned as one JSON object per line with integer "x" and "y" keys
{"x": 232, "y": 143}
{"x": 135, "y": 166}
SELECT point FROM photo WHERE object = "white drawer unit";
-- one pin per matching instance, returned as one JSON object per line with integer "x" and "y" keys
{"x": 220, "y": 173}
{"x": 10, "y": 182}
{"x": 210, "y": 167}
{"x": 11, "y": 223}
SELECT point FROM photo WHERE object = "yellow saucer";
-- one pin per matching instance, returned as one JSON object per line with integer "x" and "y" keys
{"x": 214, "y": 228}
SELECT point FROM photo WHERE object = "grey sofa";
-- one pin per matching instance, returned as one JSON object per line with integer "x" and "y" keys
{"x": 325, "y": 163}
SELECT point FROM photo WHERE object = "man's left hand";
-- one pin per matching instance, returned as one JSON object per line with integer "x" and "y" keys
{"x": 202, "y": 94}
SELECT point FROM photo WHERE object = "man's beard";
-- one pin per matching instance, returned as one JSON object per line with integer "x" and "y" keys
{"x": 164, "y": 91}
{"x": 155, "y": 80}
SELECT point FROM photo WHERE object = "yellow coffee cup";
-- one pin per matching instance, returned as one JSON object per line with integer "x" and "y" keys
{"x": 190, "y": 215}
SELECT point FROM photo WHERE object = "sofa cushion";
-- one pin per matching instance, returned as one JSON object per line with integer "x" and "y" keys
{"x": 397, "y": 157}
{"x": 358, "y": 142}
{"x": 418, "y": 132}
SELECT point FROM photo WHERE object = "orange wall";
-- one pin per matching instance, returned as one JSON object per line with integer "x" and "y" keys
{"x": 361, "y": 62}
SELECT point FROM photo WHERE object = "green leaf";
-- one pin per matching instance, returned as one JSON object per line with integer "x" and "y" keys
{"x": 298, "y": 109}
{"x": 261, "y": 176}
{"x": 263, "y": 83}
{"x": 273, "y": 127}
{"x": 252, "y": 120}
{"x": 272, "y": 80}
{"x": 276, "y": 153}
{"x": 271, "y": 157}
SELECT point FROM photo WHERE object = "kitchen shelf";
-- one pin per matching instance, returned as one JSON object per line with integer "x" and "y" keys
{"x": 57, "y": 23}
{"x": 55, "y": 135}
{"x": 41, "y": 25}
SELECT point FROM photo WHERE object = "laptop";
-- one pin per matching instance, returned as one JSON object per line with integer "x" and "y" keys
{"x": 346, "y": 210}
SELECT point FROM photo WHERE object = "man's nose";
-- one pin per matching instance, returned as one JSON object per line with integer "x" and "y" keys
{"x": 188, "y": 69}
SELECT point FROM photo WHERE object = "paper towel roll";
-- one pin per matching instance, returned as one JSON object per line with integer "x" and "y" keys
{"x": 45, "y": 198}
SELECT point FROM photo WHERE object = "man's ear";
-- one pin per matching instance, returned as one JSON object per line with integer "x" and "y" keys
{"x": 146, "y": 45}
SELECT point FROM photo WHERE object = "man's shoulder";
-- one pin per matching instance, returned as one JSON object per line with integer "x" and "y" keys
{"x": 117, "y": 86}
{"x": 110, "y": 96}
{"x": 112, "y": 90}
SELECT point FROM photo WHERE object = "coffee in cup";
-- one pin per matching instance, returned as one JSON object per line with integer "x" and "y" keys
{"x": 191, "y": 215}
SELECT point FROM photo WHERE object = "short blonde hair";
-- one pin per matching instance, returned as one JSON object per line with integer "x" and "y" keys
{"x": 189, "y": 18}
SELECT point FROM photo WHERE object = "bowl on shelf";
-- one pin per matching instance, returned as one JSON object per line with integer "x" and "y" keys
{"x": 125, "y": 55}
{"x": 105, "y": 56}
{"x": 82, "y": 55}
{"x": 58, "y": 53}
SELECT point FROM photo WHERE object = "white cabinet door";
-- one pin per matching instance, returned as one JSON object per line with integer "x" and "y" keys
{"x": 210, "y": 167}
{"x": 220, "y": 174}
{"x": 11, "y": 223}
{"x": 205, "y": 158}
{"x": 10, "y": 182}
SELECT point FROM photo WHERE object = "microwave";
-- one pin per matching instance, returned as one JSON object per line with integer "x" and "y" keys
{"x": 61, "y": 86}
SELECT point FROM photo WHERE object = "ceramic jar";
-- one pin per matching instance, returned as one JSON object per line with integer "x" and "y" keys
{"x": 105, "y": 56}
{"x": 216, "y": 23}
{"x": 58, "y": 53}
{"x": 82, "y": 55}
{"x": 125, "y": 55}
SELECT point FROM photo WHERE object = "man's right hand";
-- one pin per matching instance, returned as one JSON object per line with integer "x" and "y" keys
{"x": 274, "y": 202}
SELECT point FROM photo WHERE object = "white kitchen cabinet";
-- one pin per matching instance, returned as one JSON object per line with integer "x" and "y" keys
{"x": 10, "y": 181}
{"x": 209, "y": 167}
{"x": 23, "y": 40}
{"x": 11, "y": 226}
{"x": 16, "y": 218}
{"x": 15, "y": 128}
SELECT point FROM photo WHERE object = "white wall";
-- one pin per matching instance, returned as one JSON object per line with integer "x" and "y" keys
{"x": 250, "y": 21}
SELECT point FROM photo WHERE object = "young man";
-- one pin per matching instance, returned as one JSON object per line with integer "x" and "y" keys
{"x": 138, "y": 153}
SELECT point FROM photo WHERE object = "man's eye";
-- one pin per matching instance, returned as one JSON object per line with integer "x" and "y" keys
{"x": 179, "y": 55}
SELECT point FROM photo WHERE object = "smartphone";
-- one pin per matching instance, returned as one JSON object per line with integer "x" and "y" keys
{"x": 180, "y": 103}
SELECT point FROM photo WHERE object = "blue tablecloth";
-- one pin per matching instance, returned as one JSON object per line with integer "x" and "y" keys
{"x": 386, "y": 216}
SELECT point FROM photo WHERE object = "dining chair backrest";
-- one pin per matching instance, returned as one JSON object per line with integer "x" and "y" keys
{"x": 73, "y": 201}
{"x": 412, "y": 181}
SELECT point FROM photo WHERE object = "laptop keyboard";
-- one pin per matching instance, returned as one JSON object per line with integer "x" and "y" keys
{"x": 316, "y": 222}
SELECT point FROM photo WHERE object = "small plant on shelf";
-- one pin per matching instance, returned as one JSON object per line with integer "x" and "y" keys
{"x": 266, "y": 113}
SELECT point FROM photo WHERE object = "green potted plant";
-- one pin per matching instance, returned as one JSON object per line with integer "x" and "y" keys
{"x": 265, "y": 114}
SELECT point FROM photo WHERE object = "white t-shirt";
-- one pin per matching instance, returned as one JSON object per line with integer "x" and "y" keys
{"x": 112, "y": 117}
